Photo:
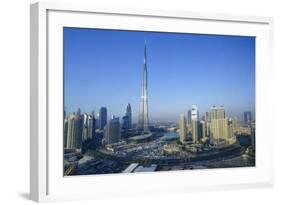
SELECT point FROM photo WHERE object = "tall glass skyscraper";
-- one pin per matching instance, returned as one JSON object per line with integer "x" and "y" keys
{"x": 112, "y": 131}
{"x": 102, "y": 117}
{"x": 189, "y": 117}
{"x": 143, "y": 116}
{"x": 128, "y": 117}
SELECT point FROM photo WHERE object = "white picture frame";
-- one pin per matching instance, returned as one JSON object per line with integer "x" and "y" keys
{"x": 46, "y": 179}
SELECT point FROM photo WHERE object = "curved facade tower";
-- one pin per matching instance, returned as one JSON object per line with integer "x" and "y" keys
{"x": 143, "y": 116}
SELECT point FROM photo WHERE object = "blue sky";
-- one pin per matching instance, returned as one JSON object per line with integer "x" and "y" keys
{"x": 104, "y": 68}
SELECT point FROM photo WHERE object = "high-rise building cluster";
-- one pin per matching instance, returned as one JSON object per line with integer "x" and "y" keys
{"x": 214, "y": 126}
{"x": 79, "y": 128}
{"x": 82, "y": 127}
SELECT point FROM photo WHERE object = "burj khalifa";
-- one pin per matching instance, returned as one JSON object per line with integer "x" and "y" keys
{"x": 143, "y": 115}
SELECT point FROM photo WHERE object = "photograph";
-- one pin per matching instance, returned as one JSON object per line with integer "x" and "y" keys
{"x": 147, "y": 101}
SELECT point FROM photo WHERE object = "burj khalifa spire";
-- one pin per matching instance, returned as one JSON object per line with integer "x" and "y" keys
{"x": 143, "y": 116}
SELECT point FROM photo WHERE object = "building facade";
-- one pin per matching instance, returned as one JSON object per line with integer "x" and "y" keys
{"x": 221, "y": 128}
{"x": 143, "y": 123}
{"x": 65, "y": 129}
{"x": 102, "y": 117}
{"x": 112, "y": 131}
{"x": 189, "y": 117}
{"x": 203, "y": 132}
{"x": 127, "y": 119}
{"x": 207, "y": 118}
{"x": 74, "y": 132}
{"x": 194, "y": 113}
{"x": 88, "y": 127}
{"x": 195, "y": 131}
{"x": 182, "y": 128}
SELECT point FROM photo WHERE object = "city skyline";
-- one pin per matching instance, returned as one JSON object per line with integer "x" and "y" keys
{"x": 108, "y": 74}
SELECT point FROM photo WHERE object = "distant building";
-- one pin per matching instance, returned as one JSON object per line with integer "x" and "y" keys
{"x": 189, "y": 117}
{"x": 143, "y": 123}
{"x": 253, "y": 135}
{"x": 127, "y": 119}
{"x": 203, "y": 118}
{"x": 194, "y": 113}
{"x": 217, "y": 113}
{"x": 247, "y": 117}
{"x": 195, "y": 131}
{"x": 230, "y": 130}
{"x": 94, "y": 123}
{"x": 78, "y": 111}
{"x": 92, "y": 127}
{"x": 182, "y": 128}
{"x": 129, "y": 114}
{"x": 65, "y": 128}
{"x": 235, "y": 122}
{"x": 88, "y": 127}
{"x": 112, "y": 131}
{"x": 202, "y": 129}
{"x": 207, "y": 126}
{"x": 218, "y": 124}
{"x": 125, "y": 122}
{"x": 97, "y": 121}
{"x": 102, "y": 117}
{"x": 221, "y": 128}
{"x": 207, "y": 118}
{"x": 85, "y": 127}
{"x": 74, "y": 131}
